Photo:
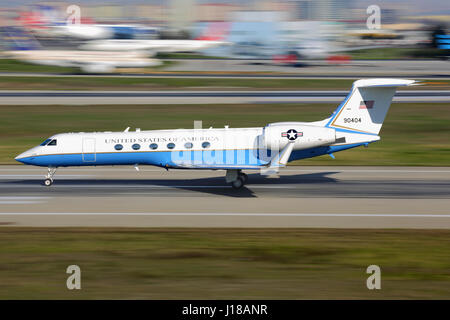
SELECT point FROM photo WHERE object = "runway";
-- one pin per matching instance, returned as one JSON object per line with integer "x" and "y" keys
{"x": 201, "y": 97}
{"x": 239, "y": 68}
{"x": 355, "y": 68}
{"x": 219, "y": 75}
{"x": 330, "y": 197}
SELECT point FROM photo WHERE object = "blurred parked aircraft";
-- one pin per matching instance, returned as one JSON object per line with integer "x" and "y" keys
{"x": 102, "y": 31}
{"x": 283, "y": 42}
{"x": 25, "y": 48}
{"x": 48, "y": 21}
{"x": 292, "y": 41}
{"x": 212, "y": 37}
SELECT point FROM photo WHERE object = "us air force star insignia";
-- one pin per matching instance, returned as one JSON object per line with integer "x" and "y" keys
{"x": 291, "y": 134}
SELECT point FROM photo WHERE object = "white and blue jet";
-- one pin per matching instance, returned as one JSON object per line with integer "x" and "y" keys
{"x": 356, "y": 122}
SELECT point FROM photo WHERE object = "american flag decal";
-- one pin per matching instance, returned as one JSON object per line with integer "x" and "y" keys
{"x": 366, "y": 104}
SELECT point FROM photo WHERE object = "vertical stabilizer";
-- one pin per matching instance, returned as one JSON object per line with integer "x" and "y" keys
{"x": 366, "y": 106}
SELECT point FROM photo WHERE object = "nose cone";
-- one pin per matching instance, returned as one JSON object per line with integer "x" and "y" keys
{"x": 24, "y": 157}
{"x": 20, "y": 157}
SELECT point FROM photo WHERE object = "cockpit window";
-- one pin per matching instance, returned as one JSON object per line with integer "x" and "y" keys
{"x": 52, "y": 143}
{"x": 45, "y": 142}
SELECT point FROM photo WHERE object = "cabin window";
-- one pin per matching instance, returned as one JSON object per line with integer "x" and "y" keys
{"x": 45, "y": 142}
{"x": 206, "y": 145}
{"x": 52, "y": 143}
{"x": 171, "y": 145}
{"x": 136, "y": 146}
{"x": 118, "y": 147}
{"x": 153, "y": 146}
{"x": 188, "y": 145}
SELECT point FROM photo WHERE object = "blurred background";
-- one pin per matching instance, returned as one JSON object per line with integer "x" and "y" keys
{"x": 102, "y": 36}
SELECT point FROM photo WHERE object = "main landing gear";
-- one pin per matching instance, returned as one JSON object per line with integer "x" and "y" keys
{"x": 49, "y": 177}
{"x": 236, "y": 178}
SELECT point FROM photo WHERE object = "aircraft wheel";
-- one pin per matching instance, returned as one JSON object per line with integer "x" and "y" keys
{"x": 48, "y": 182}
{"x": 244, "y": 177}
{"x": 238, "y": 183}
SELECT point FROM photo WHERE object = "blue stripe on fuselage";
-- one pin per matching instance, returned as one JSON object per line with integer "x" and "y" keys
{"x": 157, "y": 158}
{"x": 177, "y": 158}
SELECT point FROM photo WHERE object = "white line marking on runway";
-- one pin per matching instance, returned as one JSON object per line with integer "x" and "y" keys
{"x": 19, "y": 202}
{"x": 42, "y": 176}
{"x": 22, "y": 200}
{"x": 340, "y": 215}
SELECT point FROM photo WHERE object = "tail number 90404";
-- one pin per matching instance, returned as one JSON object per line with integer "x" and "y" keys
{"x": 352, "y": 120}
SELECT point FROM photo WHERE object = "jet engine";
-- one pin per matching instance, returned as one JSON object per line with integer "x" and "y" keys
{"x": 276, "y": 136}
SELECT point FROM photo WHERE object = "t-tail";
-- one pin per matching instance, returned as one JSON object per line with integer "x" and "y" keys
{"x": 365, "y": 107}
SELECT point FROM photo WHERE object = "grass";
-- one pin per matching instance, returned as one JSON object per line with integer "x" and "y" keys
{"x": 387, "y": 53}
{"x": 223, "y": 263}
{"x": 149, "y": 83}
{"x": 11, "y": 65}
{"x": 398, "y": 53}
{"x": 413, "y": 134}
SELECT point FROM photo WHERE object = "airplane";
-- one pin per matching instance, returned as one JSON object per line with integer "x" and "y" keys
{"x": 23, "y": 47}
{"x": 87, "y": 61}
{"x": 152, "y": 45}
{"x": 291, "y": 42}
{"x": 49, "y": 21}
{"x": 86, "y": 31}
{"x": 356, "y": 122}
{"x": 212, "y": 37}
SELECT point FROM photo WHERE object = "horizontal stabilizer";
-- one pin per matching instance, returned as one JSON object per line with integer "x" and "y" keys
{"x": 382, "y": 82}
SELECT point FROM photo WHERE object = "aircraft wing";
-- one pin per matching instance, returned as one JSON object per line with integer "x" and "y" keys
{"x": 219, "y": 167}
{"x": 278, "y": 160}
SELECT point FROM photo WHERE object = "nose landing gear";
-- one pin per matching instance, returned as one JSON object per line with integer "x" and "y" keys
{"x": 49, "y": 177}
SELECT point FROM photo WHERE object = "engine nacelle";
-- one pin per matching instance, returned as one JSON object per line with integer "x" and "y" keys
{"x": 277, "y": 135}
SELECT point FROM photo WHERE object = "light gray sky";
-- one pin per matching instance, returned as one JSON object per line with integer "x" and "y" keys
{"x": 415, "y": 6}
